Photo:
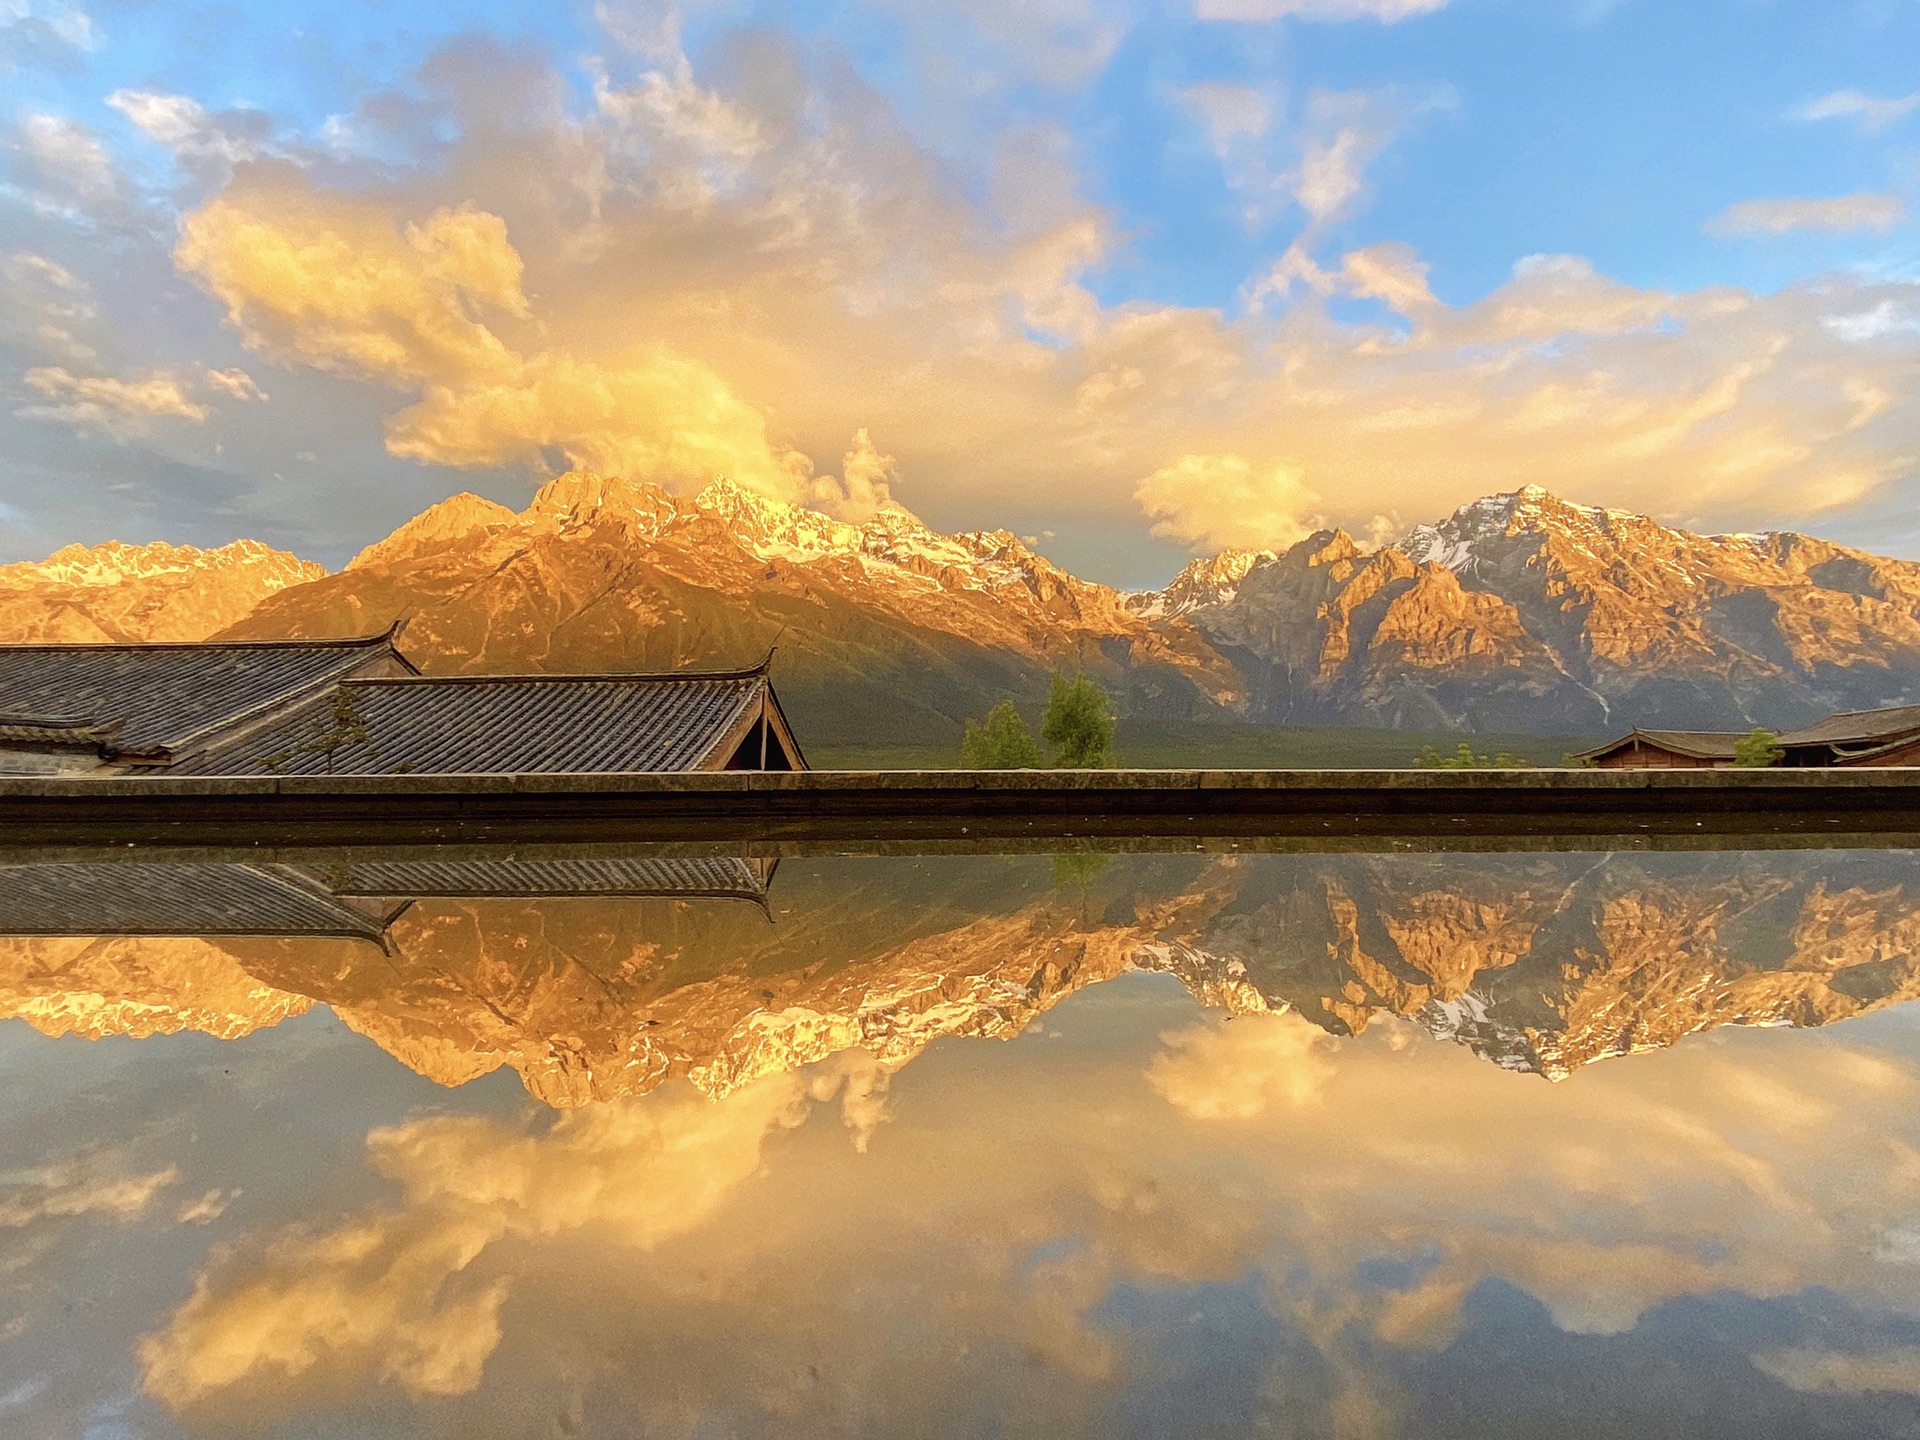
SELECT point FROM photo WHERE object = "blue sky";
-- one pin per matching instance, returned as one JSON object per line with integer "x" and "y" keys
{"x": 1138, "y": 280}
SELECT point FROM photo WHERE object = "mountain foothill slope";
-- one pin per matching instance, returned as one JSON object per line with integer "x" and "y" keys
{"x": 1519, "y": 612}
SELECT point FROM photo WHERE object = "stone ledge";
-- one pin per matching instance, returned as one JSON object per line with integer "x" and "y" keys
{"x": 888, "y": 782}
{"x": 862, "y": 807}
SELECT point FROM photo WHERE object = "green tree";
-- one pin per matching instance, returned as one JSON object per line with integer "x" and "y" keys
{"x": 1079, "y": 725}
{"x": 1465, "y": 759}
{"x": 341, "y": 728}
{"x": 1759, "y": 749}
{"x": 1000, "y": 742}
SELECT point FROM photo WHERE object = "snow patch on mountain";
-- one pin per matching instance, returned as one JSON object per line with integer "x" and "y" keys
{"x": 1532, "y": 509}
{"x": 115, "y": 563}
{"x": 1214, "y": 580}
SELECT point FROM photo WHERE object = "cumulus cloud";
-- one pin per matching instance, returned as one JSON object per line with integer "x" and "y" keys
{"x": 1784, "y": 216}
{"x": 733, "y": 272}
{"x": 236, "y": 384}
{"x": 395, "y": 1294}
{"x": 1220, "y": 501}
{"x": 1392, "y": 274}
{"x": 49, "y": 32}
{"x": 109, "y": 404}
{"x": 1741, "y": 405}
{"x": 46, "y": 311}
{"x": 1238, "y": 1072}
{"x": 64, "y": 171}
{"x": 1871, "y": 113}
{"x": 865, "y": 486}
{"x": 324, "y": 282}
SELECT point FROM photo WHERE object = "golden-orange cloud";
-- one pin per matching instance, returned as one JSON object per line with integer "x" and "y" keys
{"x": 323, "y": 281}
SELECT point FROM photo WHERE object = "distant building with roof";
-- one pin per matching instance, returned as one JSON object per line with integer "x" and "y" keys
{"x": 358, "y": 707}
{"x": 1885, "y": 737}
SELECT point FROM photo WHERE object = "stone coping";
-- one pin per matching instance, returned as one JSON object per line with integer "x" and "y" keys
{"x": 980, "y": 782}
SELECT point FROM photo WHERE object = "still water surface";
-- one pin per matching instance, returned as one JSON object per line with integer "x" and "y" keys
{"x": 1290, "y": 1145}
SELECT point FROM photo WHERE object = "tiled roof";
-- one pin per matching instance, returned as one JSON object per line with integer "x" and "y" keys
{"x": 51, "y": 730}
{"x": 1698, "y": 744}
{"x": 491, "y": 725}
{"x": 715, "y": 876}
{"x": 1701, "y": 744}
{"x": 157, "y": 700}
{"x": 1858, "y": 727}
{"x": 138, "y": 898}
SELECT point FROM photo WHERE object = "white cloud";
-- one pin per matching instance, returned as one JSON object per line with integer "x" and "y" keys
{"x": 1316, "y": 159}
{"x": 188, "y": 129}
{"x": 1392, "y": 274}
{"x": 68, "y": 24}
{"x": 63, "y": 165}
{"x": 236, "y": 384}
{"x": 45, "y": 309}
{"x": 74, "y": 1188}
{"x": 704, "y": 275}
{"x": 1871, "y": 113}
{"x": 1784, "y": 216}
{"x": 1888, "y": 318}
{"x": 109, "y": 404}
{"x": 1212, "y": 1072}
{"x": 1218, "y": 502}
{"x": 866, "y": 484}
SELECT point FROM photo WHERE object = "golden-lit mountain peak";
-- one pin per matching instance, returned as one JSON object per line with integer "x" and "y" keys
{"x": 136, "y": 986}
{"x": 119, "y": 592}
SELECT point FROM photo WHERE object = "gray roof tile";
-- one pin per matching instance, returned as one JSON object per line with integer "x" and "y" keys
{"x": 1858, "y": 727}
{"x": 157, "y": 700}
{"x": 166, "y": 898}
{"x": 714, "y": 876}
{"x": 476, "y": 724}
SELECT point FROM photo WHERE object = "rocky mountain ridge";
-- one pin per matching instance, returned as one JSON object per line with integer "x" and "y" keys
{"x": 116, "y": 592}
{"x": 1522, "y": 611}
{"x": 1519, "y": 612}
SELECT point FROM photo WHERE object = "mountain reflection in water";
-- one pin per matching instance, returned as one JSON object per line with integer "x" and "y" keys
{"x": 759, "y": 1200}
{"x": 598, "y": 979}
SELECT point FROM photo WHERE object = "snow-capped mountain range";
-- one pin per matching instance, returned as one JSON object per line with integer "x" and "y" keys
{"x": 1517, "y": 612}
{"x": 142, "y": 592}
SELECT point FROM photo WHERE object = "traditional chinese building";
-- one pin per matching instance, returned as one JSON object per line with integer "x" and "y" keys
{"x": 357, "y": 707}
{"x": 1889, "y": 736}
{"x": 107, "y": 709}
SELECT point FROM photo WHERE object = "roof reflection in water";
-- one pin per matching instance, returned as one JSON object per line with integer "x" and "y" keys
{"x": 596, "y": 977}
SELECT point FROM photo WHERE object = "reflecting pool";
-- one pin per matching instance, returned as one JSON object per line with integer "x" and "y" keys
{"x": 1183, "y": 1143}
